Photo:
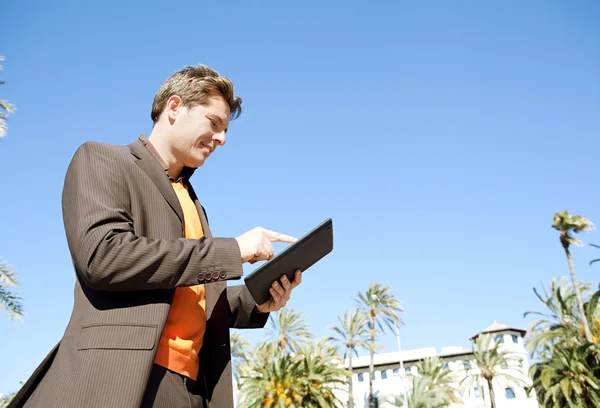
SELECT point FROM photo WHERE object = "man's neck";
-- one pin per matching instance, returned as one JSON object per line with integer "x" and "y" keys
{"x": 164, "y": 151}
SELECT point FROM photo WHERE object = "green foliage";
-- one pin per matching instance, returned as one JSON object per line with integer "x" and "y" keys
{"x": 5, "y": 400}
{"x": 5, "y": 109}
{"x": 560, "y": 324}
{"x": 381, "y": 306}
{"x": 568, "y": 377}
{"x": 424, "y": 394}
{"x": 9, "y": 301}
{"x": 304, "y": 379}
{"x": 288, "y": 330}
{"x": 240, "y": 353}
{"x": 352, "y": 333}
{"x": 438, "y": 379}
{"x": 567, "y": 223}
{"x": 489, "y": 361}
{"x": 382, "y": 310}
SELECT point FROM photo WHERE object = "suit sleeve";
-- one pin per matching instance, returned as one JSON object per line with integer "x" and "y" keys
{"x": 105, "y": 250}
{"x": 244, "y": 314}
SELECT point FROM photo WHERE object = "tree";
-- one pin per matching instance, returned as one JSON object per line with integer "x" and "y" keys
{"x": 9, "y": 301}
{"x": 438, "y": 378}
{"x": 566, "y": 224}
{"x": 5, "y": 109}
{"x": 568, "y": 371}
{"x": 561, "y": 324}
{"x": 240, "y": 353}
{"x": 307, "y": 378}
{"x": 382, "y": 310}
{"x": 288, "y": 330}
{"x": 352, "y": 334}
{"x": 422, "y": 395}
{"x": 489, "y": 359}
{"x": 569, "y": 378}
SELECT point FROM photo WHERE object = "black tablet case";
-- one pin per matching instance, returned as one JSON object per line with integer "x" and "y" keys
{"x": 301, "y": 255}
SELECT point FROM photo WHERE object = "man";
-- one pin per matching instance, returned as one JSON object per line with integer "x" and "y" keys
{"x": 152, "y": 310}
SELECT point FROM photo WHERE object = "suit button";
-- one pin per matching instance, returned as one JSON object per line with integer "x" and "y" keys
{"x": 222, "y": 275}
{"x": 200, "y": 277}
{"x": 215, "y": 275}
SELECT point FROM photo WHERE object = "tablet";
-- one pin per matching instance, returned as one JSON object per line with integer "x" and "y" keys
{"x": 300, "y": 255}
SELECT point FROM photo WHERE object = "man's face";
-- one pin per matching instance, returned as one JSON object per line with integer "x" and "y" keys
{"x": 197, "y": 131}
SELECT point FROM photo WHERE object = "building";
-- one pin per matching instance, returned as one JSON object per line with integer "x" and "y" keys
{"x": 390, "y": 379}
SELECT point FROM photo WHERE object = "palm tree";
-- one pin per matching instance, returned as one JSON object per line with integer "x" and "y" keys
{"x": 305, "y": 379}
{"x": 240, "y": 354}
{"x": 5, "y": 109}
{"x": 489, "y": 358}
{"x": 570, "y": 378}
{"x": 352, "y": 334}
{"x": 567, "y": 223}
{"x": 10, "y": 302}
{"x": 288, "y": 331}
{"x": 382, "y": 310}
{"x": 422, "y": 395}
{"x": 561, "y": 324}
{"x": 439, "y": 378}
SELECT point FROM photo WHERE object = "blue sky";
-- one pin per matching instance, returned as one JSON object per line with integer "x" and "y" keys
{"x": 439, "y": 136}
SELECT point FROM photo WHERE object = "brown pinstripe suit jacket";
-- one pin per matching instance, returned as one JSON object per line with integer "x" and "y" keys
{"x": 124, "y": 227}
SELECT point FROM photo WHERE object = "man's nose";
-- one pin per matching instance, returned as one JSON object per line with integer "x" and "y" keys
{"x": 220, "y": 138}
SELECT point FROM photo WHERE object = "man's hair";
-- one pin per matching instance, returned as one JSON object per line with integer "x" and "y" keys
{"x": 195, "y": 85}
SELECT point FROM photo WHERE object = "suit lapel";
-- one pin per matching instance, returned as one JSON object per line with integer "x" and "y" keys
{"x": 157, "y": 174}
{"x": 201, "y": 213}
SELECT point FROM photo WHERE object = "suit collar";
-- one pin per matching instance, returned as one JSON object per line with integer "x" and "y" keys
{"x": 148, "y": 163}
{"x": 186, "y": 172}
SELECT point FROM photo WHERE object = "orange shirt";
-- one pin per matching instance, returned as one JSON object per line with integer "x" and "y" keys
{"x": 184, "y": 331}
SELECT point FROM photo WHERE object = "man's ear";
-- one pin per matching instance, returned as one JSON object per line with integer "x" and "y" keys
{"x": 173, "y": 106}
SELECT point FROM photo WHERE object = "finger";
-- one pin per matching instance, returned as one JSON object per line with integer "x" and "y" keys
{"x": 297, "y": 278}
{"x": 279, "y": 289}
{"x": 277, "y": 237}
{"x": 277, "y": 299}
{"x": 286, "y": 283}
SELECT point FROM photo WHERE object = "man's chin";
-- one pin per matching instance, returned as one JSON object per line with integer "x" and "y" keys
{"x": 196, "y": 163}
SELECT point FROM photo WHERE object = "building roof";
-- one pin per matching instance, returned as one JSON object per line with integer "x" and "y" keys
{"x": 415, "y": 355}
{"x": 498, "y": 327}
{"x": 408, "y": 356}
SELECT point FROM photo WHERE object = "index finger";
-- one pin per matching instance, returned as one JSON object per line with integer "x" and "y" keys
{"x": 277, "y": 237}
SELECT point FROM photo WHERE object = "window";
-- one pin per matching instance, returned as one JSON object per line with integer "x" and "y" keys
{"x": 407, "y": 370}
{"x": 446, "y": 367}
{"x": 384, "y": 375}
{"x": 515, "y": 338}
{"x": 361, "y": 378}
{"x": 374, "y": 372}
{"x": 499, "y": 338}
{"x": 466, "y": 365}
{"x": 510, "y": 394}
{"x": 477, "y": 392}
{"x": 395, "y": 372}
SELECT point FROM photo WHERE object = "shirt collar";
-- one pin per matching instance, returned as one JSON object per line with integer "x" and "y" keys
{"x": 186, "y": 172}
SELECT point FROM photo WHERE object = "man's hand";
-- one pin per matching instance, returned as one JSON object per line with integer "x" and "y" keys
{"x": 280, "y": 295}
{"x": 255, "y": 245}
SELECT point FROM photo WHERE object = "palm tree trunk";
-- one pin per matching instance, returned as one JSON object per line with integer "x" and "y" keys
{"x": 371, "y": 364}
{"x": 492, "y": 395}
{"x": 586, "y": 327}
{"x": 351, "y": 394}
